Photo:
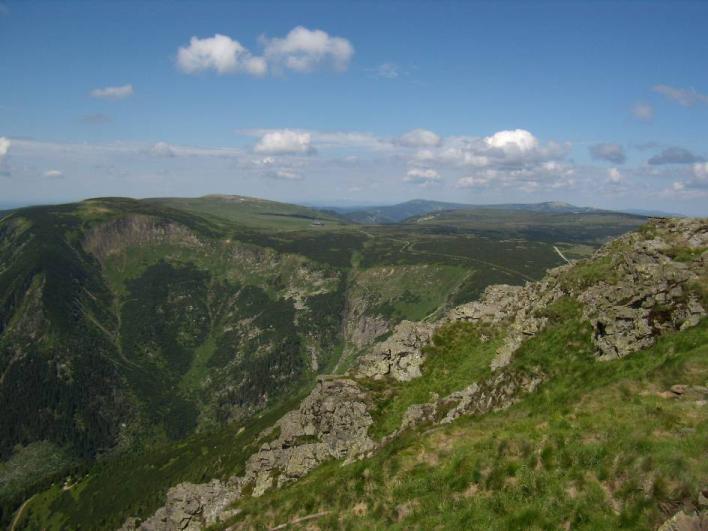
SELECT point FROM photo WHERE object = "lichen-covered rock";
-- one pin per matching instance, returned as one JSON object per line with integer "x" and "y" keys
{"x": 683, "y": 521}
{"x": 498, "y": 392}
{"x": 189, "y": 507}
{"x": 518, "y": 308}
{"x": 650, "y": 294}
{"x": 400, "y": 356}
{"x": 331, "y": 423}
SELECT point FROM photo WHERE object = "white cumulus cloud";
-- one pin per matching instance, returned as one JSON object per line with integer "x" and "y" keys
{"x": 113, "y": 93}
{"x": 513, "y": 142}
{"x": 302, "y": 50}
{"x": 700, "y": 171}
{"x": 284, "y": 142}
{"x": 163, "y": 149}
{"x": 614, "y": 176}
{"x": 220, "y": 53}
{"x": 4, "y": 147}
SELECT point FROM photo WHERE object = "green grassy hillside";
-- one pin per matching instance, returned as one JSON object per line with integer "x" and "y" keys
{"x": 599, "y": 446}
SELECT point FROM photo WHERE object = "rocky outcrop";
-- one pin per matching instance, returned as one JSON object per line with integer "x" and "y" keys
{"x": 651, "y": 292}
{"x": 400, "y": 356}
{"x": 331, "y": 423}
{"x": 116, "y": 235}
{"x": 501, "y": 390}
{"x": 190, "y": 507}
{"x": 496, "y": 393}
{"x": 686, "y": 521}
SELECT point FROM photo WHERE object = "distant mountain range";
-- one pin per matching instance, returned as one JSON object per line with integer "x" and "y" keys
{"x": 418, "y": 207}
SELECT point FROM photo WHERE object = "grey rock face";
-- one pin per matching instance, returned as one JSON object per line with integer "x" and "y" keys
{"x": 498, "y": 392}
{"x": 400, "y": 356}
{"x": 651, "y": 295}
{"x": 331, "y": 423}
{"x": 189, "y": 507}
{"x": 683, "y": 521}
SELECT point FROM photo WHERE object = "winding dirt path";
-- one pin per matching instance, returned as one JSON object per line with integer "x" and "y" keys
{"x": 20, "y": 513}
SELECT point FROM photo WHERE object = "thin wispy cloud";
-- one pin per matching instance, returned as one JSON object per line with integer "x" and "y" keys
{"x": 685, "y": 97}
{"x": 609, "y": 152}
{"x": 388, "y": 71}
{"x": 113, "y": 93}
{"x": 96, "y": 119}
{"x": 642, "y": 111}
{"x": 422, "y": 176}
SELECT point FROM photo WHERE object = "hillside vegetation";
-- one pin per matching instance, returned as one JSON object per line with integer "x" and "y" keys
{"x": 142, "y": 340}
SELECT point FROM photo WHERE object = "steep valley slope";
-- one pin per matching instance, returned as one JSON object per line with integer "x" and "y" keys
{"x": 148, "y": 343}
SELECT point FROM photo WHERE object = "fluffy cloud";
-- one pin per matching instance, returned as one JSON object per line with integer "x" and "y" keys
{"x": 219, "y": 53}
{"x": 422, "y": 176}
{"x": 614, "y": 176}
{"x": 163, "y": 149}
{"x": 284, "y": 142}
{"x": 609, "y": 152}
{"x": 642, "y": 111}
{"x": 113, "y": 93}
{"x": 700, "y": 171}
{"x": 167, "y": 151}
{"x": 517, "y": 141}
{"x": 695, "y": 185}
{"x": 418, "y": 138}
{"x": 674, "y": 155}
{"x": 302, "y": 50}
{"x": 511, "y": 149}
{"x": 4, "y": 147}
{"x": 53, "y": 174}
{"x": 686, "y": 97}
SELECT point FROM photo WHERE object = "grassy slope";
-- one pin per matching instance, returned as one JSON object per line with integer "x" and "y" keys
{"x": 545, "y": 226}
{"x": 251, "y": 212}
{"x": 595, "y": 448}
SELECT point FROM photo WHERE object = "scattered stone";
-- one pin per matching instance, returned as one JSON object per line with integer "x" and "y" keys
{"x": 400, "y": 356}
{"x": 678, "y": 389}
{"x": 683, "y": 521}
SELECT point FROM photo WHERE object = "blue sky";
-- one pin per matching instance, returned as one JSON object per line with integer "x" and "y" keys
{"x": 595, "y": 103}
